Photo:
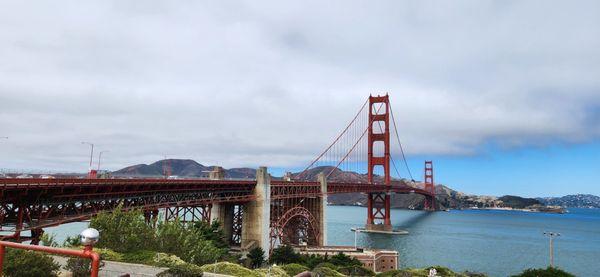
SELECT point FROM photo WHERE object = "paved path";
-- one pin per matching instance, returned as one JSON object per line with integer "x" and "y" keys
{"x": 116, "y": 269}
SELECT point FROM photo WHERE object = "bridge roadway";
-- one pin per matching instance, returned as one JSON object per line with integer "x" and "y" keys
{"x": 33, "y": 204}
{"x": 57, "y": 201}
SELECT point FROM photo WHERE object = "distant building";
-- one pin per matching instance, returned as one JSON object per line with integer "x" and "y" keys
{"x": 377, "y": 260}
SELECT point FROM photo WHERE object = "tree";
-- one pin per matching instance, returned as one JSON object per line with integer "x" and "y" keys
{"x": 24, "y": 263}
{"x": 212, "y": 232}
{"x": 548, "y": 272}
{"x": 123, "y": 231}
{"x": 257, "y": 257}
{"x": 284, "y": 255}
{"x": 187, "y": 242}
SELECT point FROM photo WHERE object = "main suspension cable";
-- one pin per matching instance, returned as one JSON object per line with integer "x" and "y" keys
{"x": 400, "y": 143}
{"x": 335, "y": 141}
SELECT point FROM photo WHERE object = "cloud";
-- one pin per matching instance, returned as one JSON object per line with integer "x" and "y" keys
{"x": 247, "y": 84}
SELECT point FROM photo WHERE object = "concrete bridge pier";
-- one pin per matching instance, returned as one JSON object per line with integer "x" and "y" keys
{"x": 322, "y": 210}
{"x": 223, "y": 213}
{"x": 257, "y": 214}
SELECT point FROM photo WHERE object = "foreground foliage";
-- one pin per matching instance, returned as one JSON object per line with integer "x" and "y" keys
{"x": 294, "y": 269}
{"x": 230, "y": 269}
{"x": 24, "y": 263}
{"x": 548, "y": 272}
{"x": 424, "y": 272}
{"x": 80, "y": 267}
{"x": 127, "y": 233}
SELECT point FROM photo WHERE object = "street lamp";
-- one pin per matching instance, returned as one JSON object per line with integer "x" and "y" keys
{"x": 100, "y": 158}
{"x": 551, "y": 235}
{"x": 91, "y": 157}
{"x": 3, "y": 137}
{"x": 356, "y": 231}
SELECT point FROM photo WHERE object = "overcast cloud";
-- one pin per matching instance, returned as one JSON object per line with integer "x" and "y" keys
{"x": 271, "y": 83}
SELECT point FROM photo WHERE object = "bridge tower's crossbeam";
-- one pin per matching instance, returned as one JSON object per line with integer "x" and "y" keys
{"x": 378, "y": 204}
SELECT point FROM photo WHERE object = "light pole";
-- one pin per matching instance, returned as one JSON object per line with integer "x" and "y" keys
{"x": 3, "y": 137}
{"x": 356, "y": 231}
{"x": 91, "y": 157}
{"x": 100, "y": 158}
{"x": 551, "y": 235}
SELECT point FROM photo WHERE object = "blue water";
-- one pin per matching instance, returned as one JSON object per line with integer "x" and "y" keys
{"x": 499, "y": 243}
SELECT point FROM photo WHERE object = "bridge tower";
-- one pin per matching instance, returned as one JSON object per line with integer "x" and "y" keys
{"x": 378, "y": 204}
{"x": 429, "y": 185}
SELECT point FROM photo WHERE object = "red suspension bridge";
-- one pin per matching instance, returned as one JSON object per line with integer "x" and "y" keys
{"x": 260, "y": 212}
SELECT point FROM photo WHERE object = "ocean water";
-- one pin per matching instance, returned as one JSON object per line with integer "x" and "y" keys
{"x": 499, "y": 243}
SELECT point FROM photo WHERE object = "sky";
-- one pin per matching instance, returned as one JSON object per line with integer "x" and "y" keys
{"x": 503, "y": 96}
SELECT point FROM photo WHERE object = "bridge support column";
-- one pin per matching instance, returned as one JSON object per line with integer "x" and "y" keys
{"x": 224, "y": 214}
{"x": 322, "y": 210}
{"x": 257, "y": 214}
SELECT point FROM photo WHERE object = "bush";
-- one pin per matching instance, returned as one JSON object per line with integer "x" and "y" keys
{"x": 182, "y": 270}
{"x": 257, "y": 257}
{"x": 343, "y": 260}
{"x": 139, "y": 257}
{"x": 23, "y": 263}
{"x": 48, "y": 240}
{"x": 284, "y": 255}
{"x": 123, "y": 231}
{"x": 327, "y": 265}
{"x": 230, "y": 269}
{"x": 356, "y": 271}
{"x": 548, "y": 272}
{"x": 187, "y": 242}
{"x": 166, "y": 260}
{"x": 80, "y": 267}
{"x": 326, "y": 272}
{"x": 294, "y": 269}
{"x": 109, "y": 255}
{"x": 275, "y": 271}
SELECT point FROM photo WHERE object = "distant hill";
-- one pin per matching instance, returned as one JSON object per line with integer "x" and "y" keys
{"x": 518, "y": 202}
{"x": 182, "y": 168}
{"x": 445, "y": 196}
{"x": 573, "y": 201}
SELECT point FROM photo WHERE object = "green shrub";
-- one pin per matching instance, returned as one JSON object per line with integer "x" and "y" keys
{"x": 294, "y": 269}
{"x": 48, "y": 240}
{"x": 139, "y": 257}
{"x": 166, "y": 260}
{"x": 80, "y": 267}
{"x": 421, "y": 272}
{"x": 548, "y": 272}
{"x": 327, "y": 265}
{"x": 257, "y": 257}
{"x": 275, "y": 271}
{"x": 284, "y": 255}
{"x": 326, "y": 272}
{"x": 109, "y": 255}
{"x": 343, "y": 260}
{"x": 123, "y": 231}
{"x": 230, "y": 269}
{"x": 182, "y": 270}
{"x": 395, "y": 273}
{"x": 187, "y": 242}
{"x": 23, "y": 263}
{"x": 356, "y": 271}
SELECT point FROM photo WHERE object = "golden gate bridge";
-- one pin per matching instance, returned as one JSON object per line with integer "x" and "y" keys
{"x": 262, "y": 212}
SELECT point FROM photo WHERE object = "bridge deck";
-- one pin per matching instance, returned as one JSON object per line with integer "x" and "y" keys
{"x": 42, "y": 203}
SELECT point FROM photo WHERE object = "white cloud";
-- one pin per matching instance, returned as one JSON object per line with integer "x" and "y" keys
{"x": 272, "y": 83}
